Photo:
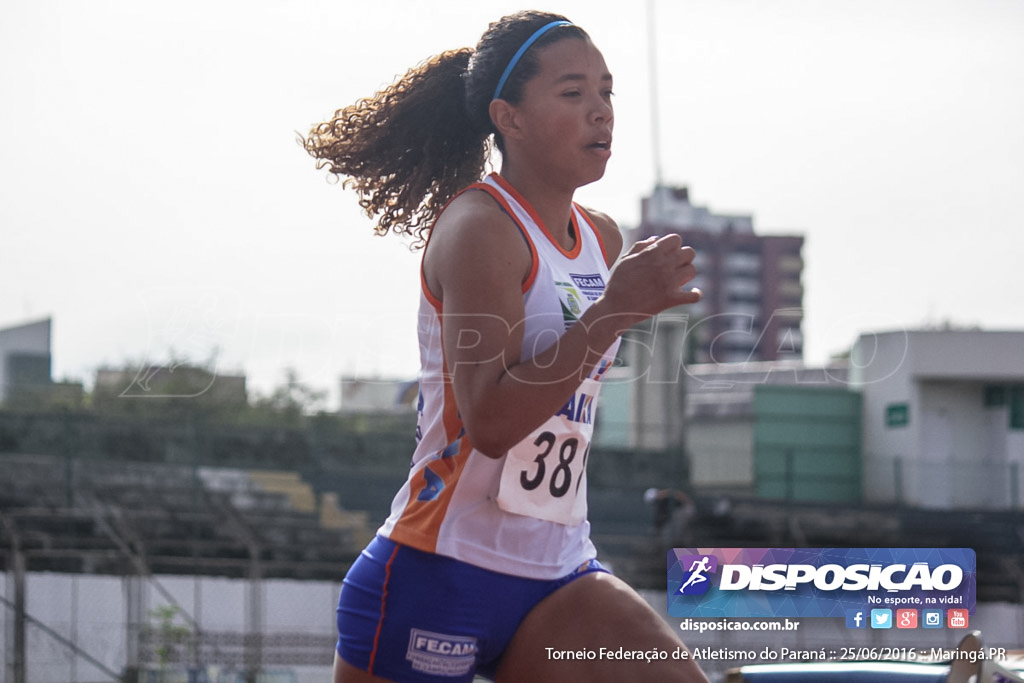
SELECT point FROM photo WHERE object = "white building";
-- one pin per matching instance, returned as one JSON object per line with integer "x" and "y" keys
{"x": 943, "y": 417}
{"x": 360, "y": 394}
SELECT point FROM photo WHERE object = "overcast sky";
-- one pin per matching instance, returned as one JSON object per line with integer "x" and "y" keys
{"x": 153, "y": 197}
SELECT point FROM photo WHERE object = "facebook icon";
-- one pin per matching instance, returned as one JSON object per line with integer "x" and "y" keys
{"x": 855, "y": 618}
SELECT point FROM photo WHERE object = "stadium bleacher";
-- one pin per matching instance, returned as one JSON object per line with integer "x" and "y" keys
{"x": 110, "y": 517}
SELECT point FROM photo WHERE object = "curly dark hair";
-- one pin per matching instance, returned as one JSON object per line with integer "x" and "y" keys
{"x": 412, "y": 146}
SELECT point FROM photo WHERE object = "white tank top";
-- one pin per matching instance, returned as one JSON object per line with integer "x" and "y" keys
{"x": 524, "y": 513}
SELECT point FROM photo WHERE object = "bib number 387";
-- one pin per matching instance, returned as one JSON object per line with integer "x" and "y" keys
{"x": 545, "y": 475}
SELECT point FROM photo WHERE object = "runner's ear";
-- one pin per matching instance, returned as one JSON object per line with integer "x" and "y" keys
{"x": 505, "y": 118}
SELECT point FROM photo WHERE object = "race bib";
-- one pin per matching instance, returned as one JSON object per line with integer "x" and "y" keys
{"x": 545, "y": 475}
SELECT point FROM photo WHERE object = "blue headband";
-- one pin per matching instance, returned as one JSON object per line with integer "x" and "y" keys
{"x": 522, "y": 50}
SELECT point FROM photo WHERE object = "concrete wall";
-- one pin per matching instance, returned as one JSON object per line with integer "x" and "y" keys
{"x": 807, "y": 443}
{"x": 721, "y": 454}
{"x": 930, "y": 439}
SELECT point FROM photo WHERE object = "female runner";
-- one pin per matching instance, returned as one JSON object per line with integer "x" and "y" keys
{"x": 485, "y": 565}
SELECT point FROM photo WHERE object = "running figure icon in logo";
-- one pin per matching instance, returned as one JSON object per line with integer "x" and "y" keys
{"x": 696, "y": 582}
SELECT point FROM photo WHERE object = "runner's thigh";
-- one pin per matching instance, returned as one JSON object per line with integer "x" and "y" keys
{"x": 597, "y": 610}
{"x": 346, "y": 673}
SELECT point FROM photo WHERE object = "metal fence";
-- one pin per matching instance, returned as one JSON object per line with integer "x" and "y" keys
{"x": 948, "y": 484}
{"x": 66, "y": 628}
{"x": 95, "y": 629}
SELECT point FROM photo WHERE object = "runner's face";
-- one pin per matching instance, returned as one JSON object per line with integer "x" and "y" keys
{"x": 567, "y": 111}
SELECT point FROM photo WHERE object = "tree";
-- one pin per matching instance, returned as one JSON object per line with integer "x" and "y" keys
{"x": 168, "y": 638}
{"x": 290, "y": 403}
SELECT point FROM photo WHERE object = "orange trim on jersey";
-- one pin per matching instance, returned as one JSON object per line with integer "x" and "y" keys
{"x": 434, "y": 301}
{"x": 597, "y": 233}
{"x": 450, "y": 416}
{"x": 420, "y": 523}
{"x": 534, "y": 260}
{"x": 570, "y": 253}
{"x": 383, "y": 606}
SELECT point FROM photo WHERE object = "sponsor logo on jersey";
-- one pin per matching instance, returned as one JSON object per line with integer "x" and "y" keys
{"x": 591, "y": 285}
{"x": 440, "y": 654}
{"x": 578, "y": 408}
{"x": 572, "y": 294}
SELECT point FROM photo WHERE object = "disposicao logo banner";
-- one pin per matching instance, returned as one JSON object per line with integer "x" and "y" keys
{"x": 817, "y": 582}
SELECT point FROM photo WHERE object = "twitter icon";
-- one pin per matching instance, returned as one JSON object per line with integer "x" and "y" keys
{"x": 881, "y": 618}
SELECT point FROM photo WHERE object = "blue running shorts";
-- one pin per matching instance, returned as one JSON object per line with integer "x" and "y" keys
{"x": 409, "y": 615}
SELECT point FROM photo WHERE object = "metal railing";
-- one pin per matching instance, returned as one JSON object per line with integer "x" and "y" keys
{"x": 947, "y": 484}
